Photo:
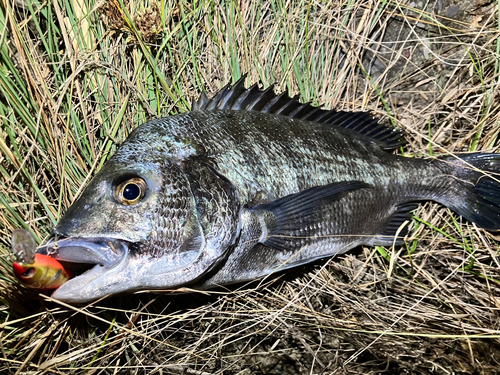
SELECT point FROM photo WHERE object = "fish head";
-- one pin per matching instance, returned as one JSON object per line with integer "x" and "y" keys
{"x": 138, "y": 226}
{"x": 118, "y": 203}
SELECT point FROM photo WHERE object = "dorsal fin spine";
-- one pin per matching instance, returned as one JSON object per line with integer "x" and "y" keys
{"x": 246, "y": 97}
{"x": 217, "y": 98}
{"x": 297, "y": 110}
{"x": 313, "y": 115}
{"x": 233, "y": 93}
{"x": 288, "y": 106}
{"x": 269, "y": 107}
{"x": 260, "y": 101}
{"x": 237, "y": 97}
{"x": 224, "y": 99}
{"x": 321, "y": 116}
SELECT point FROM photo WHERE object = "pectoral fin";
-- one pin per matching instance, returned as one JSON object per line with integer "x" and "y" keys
{"x": 293, "y": 221}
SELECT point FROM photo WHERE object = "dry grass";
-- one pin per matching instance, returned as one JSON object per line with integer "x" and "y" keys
{"x": 76, "y": 79}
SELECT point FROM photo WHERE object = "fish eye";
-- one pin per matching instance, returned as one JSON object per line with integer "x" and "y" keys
{"x": 29, "y": 273}
{"x": 130, "y": 191}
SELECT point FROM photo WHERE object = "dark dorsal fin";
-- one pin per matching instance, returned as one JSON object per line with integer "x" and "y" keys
{"x": 239, "y": 98}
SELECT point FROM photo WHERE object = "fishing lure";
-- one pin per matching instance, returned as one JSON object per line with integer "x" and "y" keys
{"x": 35, "y": 270}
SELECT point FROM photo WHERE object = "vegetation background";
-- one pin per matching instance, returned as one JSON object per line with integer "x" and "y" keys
{"x": 76, "y": 76}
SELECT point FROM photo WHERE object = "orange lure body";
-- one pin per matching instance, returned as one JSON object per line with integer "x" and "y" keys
{"x": 43, "y": 273}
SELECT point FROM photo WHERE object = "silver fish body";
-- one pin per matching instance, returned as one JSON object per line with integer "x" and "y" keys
{"x": 249, "y": 183}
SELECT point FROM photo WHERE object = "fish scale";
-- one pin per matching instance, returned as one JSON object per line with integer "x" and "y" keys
{"x": 249, "y": 183}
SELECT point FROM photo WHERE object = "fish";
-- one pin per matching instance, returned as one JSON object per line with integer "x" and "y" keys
{"x": 34, "y": 270}
{"x": 248, "y": 183}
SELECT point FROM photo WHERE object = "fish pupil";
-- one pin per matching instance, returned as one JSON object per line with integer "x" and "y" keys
{"x": 131, "y": 192}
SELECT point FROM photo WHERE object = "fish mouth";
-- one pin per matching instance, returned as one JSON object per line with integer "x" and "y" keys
{"x": 92, "y": 251}
{"x": 88, "y": 259}
{"x": 105, "y": 267}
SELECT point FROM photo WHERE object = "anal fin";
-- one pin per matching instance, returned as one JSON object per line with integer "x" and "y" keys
{"x": 291, "y": 222}
{"x": 394, "y": 226}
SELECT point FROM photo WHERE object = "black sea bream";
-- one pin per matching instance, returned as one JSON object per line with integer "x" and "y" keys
{"x": 249, "y": 183}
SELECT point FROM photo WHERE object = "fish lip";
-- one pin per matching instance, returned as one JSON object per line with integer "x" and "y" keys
{"x": 85, "y": 287}
{"x": 102, "y": 251}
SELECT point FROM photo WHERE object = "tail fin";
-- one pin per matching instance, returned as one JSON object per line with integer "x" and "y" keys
{"x": 479, "y": 188}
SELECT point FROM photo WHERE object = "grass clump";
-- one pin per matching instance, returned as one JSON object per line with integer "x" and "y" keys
{"x": 76, "y": 77}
